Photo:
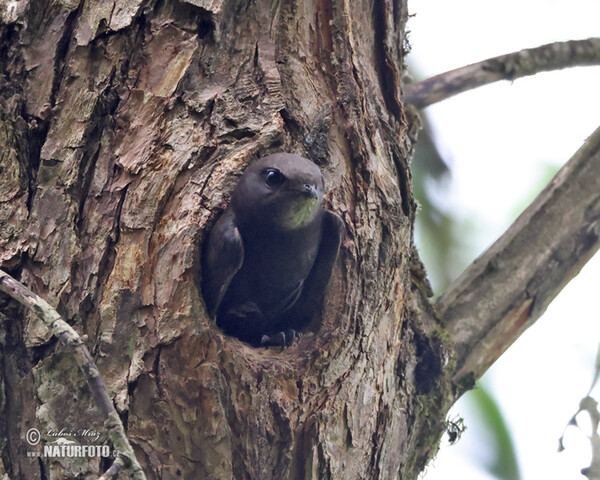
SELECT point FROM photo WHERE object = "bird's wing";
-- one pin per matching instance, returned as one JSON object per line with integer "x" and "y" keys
{"x": 331, "y": 238}
{"x": 223, "y": 257}
{"x": 314, "y": 286}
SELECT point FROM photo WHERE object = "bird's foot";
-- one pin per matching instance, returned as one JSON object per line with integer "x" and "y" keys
{"x": 281, "y": 339}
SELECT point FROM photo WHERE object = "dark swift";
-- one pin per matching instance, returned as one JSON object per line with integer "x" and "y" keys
{"x": 269, "y": 257}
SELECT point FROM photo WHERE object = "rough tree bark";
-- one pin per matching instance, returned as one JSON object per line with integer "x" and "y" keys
{"x": 124, "y": 126}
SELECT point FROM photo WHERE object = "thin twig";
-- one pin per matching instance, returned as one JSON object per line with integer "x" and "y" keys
{"x": 70, "y": 339}
{"x": 113, "y": 472}
{"x": 553, "y": 56}
{"x": 510, "y": 285}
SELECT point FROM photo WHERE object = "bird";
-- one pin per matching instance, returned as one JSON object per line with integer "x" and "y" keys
{"x": 269, "y": 257}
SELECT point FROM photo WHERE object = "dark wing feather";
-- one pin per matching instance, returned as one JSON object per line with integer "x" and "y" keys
{"x": 223, "y": 257}
{"x": 331, "y": 238}
{"x": 315, "y": 284}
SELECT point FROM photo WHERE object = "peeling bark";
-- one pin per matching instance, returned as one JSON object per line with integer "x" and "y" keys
{"x": 124, "y": 127}
{"x": 72, "y": 342}
{"x": 127, "y": 124}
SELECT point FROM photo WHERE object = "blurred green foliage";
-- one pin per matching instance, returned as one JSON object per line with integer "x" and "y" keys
{"x": 503, "y": 462}
{"x": 443, "y": 246}
{"x": 439, "y": 233}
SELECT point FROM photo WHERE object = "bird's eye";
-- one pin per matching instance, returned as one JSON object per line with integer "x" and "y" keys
{"x": 275, "y": 177}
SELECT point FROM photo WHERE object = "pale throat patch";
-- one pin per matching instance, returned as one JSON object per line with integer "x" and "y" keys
{"x": 300, "y": 213}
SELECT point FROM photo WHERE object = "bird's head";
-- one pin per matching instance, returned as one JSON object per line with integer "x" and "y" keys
{"x": 282, "y": 190}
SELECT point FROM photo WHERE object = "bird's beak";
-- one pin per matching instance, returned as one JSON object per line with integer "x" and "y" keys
{"x": 311, "y": 190}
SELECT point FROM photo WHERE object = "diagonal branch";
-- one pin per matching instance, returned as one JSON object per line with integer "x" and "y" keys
{"x": 73, "y": 343}
{"x": 510, "y": 285}
{"x": 553, "y": 56}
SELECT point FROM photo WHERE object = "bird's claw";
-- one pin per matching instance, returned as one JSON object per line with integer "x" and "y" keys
{"x": 281, "y": 339}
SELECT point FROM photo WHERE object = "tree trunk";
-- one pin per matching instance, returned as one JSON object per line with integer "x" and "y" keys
{"x": 124, "y": 127}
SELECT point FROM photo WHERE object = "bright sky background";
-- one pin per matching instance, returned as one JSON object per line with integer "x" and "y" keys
{"x": 499, "y": 141}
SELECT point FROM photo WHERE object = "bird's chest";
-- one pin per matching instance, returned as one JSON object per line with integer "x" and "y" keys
{"x": 278, "y": 262}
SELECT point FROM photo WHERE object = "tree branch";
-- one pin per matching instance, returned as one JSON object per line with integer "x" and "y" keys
{"x": 70, "y": 339}
{"x": 509, "y": 286}
{"x": 553, "y": 56}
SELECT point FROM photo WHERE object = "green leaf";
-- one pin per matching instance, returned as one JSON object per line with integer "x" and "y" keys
{"x": 504, "y": 465}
